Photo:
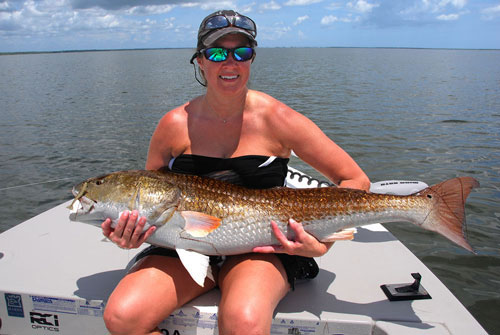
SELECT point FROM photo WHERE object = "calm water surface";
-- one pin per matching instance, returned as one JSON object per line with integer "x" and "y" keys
{"x": 427, "y": 115}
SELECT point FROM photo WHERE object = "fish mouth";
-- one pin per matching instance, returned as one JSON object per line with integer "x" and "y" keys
{"x": 81, "y": 204}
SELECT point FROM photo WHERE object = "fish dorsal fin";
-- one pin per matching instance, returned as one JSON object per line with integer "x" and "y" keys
{"x": 199, "y": 224}
{"x": 197, "y": 265}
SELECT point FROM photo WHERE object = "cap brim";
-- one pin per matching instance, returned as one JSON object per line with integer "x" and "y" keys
{"x": 211, "y": 38}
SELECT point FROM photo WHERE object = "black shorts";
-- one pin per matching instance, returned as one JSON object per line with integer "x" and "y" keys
{"x": 297, "y": 267}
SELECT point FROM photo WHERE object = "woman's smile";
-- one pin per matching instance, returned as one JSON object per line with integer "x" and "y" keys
{"x": 229, "y": 77}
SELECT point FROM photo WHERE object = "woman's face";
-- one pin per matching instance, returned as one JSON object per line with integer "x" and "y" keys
{"x": 229, "y": 76}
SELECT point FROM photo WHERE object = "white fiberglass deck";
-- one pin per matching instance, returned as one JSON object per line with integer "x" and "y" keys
{"x": 55, "y": 276}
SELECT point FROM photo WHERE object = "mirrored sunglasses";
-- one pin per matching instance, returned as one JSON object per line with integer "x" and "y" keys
{"x": 240, "y": 54}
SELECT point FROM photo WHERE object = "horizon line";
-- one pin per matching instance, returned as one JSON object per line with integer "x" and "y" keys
{"x": 6, "y": 53}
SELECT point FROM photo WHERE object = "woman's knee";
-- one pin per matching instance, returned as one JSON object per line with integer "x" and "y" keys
{"x": 248, "y": 320}
{"x": 251, "y": 288}
{"x": 148, "y": 294}
{"x": 119, "y": 319}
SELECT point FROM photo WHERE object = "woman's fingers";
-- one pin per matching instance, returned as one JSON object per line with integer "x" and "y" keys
{"x": 106, "y": 227}
{"x": 303, "y": 244}
{"x": 129, "y": 228}
{"x": 128, "y": 232}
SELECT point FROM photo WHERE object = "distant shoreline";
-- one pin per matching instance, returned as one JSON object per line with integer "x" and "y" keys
{"x": 147, "y": 49}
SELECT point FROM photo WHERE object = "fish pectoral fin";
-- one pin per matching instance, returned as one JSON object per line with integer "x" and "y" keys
{"x": 199, "y": 224}
{"x": 197, "y": 265}
{"x": 343, "y": 235}
{"x": 135, "y": 200}
{"x": 165, "y": 216}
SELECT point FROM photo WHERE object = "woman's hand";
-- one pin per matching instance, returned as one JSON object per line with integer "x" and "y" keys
{"x": 304, "y": 244}
{"x": 126, "y": 234}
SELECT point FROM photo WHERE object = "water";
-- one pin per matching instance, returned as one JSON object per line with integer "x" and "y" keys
{"x": 410, "y": 114}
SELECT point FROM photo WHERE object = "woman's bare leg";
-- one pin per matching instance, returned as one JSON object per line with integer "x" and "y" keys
{"x": 252, "y": 285}
{"x": 155, "y": 287}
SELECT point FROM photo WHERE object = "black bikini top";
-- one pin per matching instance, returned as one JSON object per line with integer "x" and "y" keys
{"x": 252, "y": 171}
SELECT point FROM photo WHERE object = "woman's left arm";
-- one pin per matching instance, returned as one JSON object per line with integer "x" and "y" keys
{"x": 296, "y": 132}
{"x": 306, "y": 139}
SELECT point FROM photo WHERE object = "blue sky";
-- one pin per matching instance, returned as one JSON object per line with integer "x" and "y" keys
{"x": 50, "y": 25}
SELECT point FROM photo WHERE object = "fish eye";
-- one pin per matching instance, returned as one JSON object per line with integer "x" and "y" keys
{"x": 99, "y": 182}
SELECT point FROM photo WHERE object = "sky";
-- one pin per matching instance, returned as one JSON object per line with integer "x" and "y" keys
{"x": 54, "y": 25}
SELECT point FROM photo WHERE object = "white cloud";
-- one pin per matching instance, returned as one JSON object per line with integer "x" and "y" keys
{"x": 274, "y": 32}
{"x": 149, "y": 10}
{"x": 273, "y": 5}
{"x": 354, "y": 11}
{"x": 55, "y": 21}
{"x": 331, "y": 19}
{"x": 491, "y": 12}
{"x": 432, "y": 10}
{"x": 334, "y": 6}
{"x": 215, "y": 5}
{"x": 189, "y": 4}
{"x": 301, "y": 19}
{"x": 455, "y": 3}
{"x": 247, "y": 8}
{"x": 362, "y": 6}
{"x": 4, "y": 6}
{"x": 434, "y": 6}
{"x": 328, "y": 20}
{"x": 448, "y": 17}
{"x": 301, "y": 2}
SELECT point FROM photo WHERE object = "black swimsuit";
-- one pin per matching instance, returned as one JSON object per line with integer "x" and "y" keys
{"x": 252, "y": 171}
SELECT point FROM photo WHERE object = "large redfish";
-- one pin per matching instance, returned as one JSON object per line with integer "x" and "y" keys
{"x": 213, "y": 217}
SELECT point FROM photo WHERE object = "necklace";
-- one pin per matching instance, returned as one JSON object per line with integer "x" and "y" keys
{"x": 224, "y": 120}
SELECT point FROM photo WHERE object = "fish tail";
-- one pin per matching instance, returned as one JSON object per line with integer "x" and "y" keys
{"x": 447, "y": 216}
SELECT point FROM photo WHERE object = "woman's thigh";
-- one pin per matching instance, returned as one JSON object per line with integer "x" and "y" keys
{"x": 154, "y": 287}
{"x": 251, "y": 286}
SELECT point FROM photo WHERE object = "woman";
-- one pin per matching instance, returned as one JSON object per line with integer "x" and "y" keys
{"x": 246, "y": 136}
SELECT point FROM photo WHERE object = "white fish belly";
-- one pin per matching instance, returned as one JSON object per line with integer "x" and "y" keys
{"x": 241, "y": 236}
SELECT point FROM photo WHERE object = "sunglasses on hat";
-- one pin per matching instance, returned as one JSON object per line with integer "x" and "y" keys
{"x": 225, "y": 19}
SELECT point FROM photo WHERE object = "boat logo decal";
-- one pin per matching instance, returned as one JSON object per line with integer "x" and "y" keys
{"x": 14, "y": 305}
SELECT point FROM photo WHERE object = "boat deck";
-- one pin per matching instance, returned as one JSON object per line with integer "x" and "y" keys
{"x": 56, "y": 276}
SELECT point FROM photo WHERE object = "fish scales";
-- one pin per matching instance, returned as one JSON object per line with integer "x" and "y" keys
{"x": 215, "y": 217}
{"x": 302, "y": 204}
{"x": 246, "y": 213}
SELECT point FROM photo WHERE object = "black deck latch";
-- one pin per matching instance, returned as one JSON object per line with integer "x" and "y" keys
{"x": 408, "y": 291}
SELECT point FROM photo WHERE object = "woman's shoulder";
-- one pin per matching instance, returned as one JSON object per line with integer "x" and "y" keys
{"x": 178, "y": 116}
{"x": 275, "y": 111}
{"x": 262, "y": 98}
{"x": 272, "y": 107}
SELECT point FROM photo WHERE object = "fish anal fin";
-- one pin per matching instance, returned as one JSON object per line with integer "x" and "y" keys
{"x": 343, "y": 235}
{"x": 200, "y": 224}
{"x": 197, "y": 265}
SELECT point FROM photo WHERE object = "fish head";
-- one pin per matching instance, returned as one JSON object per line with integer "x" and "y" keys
{"x": 92, "y": 200}
{"x": 109, "y": 195}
